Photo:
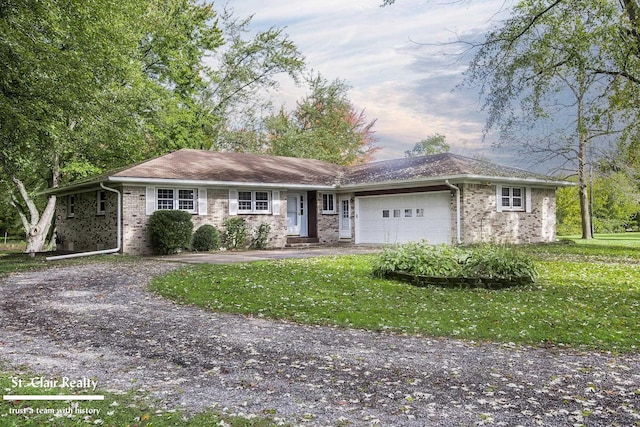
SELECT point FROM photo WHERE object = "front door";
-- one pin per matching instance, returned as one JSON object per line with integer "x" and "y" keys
{"x": 297, "y": 214}
{"x": 345, "y": 219}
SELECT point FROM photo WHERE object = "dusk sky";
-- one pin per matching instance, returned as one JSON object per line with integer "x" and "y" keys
{"x": 408, "y": 87}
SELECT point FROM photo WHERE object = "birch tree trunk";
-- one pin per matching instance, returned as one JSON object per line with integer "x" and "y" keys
{"x": 36, "y": 226}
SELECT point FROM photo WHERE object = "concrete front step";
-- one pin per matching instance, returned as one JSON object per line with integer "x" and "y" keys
{"x": 302, "y": 242}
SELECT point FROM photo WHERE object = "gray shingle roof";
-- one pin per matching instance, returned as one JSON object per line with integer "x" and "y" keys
{"x": 432, "y": 167}
{"x": 239, "y": 168}
{"x": 202, "y": 165}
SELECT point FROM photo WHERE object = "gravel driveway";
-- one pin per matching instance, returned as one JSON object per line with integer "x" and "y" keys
{"x": 98, "y": 320}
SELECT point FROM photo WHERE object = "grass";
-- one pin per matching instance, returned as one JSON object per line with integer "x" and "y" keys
{"x": 115, "y": 410}
{"x": 581, "y": 300}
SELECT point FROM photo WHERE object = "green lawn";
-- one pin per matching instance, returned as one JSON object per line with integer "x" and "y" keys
{"x": 115, "y": 410}
{"x": 587, "y": 296}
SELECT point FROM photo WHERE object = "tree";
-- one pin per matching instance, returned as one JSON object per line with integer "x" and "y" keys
{"x": 545, "y": 70}
{"x": 616, "y": 205}
{"x": 324, "y": 125}
{"x": 590, "y": 51}
{"x": 245, "y": 71}
{"x": 78, "y": 85}
{"x": 433, "y": 144}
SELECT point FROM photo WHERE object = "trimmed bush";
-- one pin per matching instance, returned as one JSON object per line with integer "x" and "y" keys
{"x": 420, "y": 262}
{"x": 236, "y": 233}
{"x": 206, "y": 238}
{"x": 170, "y": 231}
{"x": 261, "y": 237}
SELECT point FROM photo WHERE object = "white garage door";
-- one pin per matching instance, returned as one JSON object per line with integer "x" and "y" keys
{"x": 404, "y": 218}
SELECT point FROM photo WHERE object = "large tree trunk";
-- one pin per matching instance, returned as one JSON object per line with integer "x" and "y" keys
{"x": 582, "y": 188}
{"x": 36, "y": 226}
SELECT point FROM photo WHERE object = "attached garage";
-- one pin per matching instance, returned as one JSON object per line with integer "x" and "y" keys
{"x": 401, "y": 218}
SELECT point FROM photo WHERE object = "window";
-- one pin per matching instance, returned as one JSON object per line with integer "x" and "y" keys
{"x": 385, "y": 213}
{"x": 328, "y": 203}
{"x": 71, "y": 206}
{"x": 254, "y": 202}
{"x": 408, "y": 213}
{"x": 186, "y": 200}
{"x": 419, "y": 213}
{"x": 165, "y": 199}
{"x": 512, "y": 199}
{"x": 396, "y": 213}
{"x": 262, "y": 201}
{"x": 101, "y": 202}
{"x": 182, "y": 199}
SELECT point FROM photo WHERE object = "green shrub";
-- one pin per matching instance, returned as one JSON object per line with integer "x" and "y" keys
{"x": 420, "y": 258}
{"x": 486, "y": 262}
{"x": 261, "y": 237}
{"x": 499, "y": 262}
{"x": 206, "y": 238}
{"x": 236, "y": 233}
{"x": 170, "y": 231}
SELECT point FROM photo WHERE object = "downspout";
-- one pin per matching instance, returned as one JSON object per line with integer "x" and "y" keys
{"x": 458, "y": 225}
{"x": 105, "y": 251}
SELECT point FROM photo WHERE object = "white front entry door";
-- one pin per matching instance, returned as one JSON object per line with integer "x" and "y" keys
{"x": 297, "y": 214}
{"x": 345, "y": 219}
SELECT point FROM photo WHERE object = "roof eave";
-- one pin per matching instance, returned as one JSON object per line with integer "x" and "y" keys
{"x": 209, "y": 183}
{"x": 460, "y": 179}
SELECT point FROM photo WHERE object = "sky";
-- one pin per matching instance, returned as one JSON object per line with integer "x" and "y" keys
{"x": 394, "y": 61}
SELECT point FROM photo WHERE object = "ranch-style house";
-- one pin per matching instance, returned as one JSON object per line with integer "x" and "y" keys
{"x": 444, "y": 198}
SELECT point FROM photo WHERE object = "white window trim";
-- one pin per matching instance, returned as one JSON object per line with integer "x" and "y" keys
{"x": 332, "y": 208}
{"x": 71, "y": 205}
{"x": 525, "y": 195}
{"x": 199, "y": 199}
{"x": 101, "y": 210}
{"x": 254, "y": 201}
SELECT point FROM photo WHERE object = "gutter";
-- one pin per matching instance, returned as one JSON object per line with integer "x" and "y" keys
{"x": 105, "y": 251}
{"x": 458, "y": 225}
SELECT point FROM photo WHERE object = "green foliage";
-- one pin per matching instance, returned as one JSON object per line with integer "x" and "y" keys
{"x": 235, "y": 235}
{"x": 420, "y": 258}
{"x": 434, "y": 144}
{"x": 616, "y": 205}
{"x": 485, "y": 262}
{"x": 499, "y": 262}
{"x": 247, "y": 69}
{"x": 261, "y": 236}
{"x": 170, "y": 231}
{"x": 324, "y": 126}
{"x": 206, "y": 238}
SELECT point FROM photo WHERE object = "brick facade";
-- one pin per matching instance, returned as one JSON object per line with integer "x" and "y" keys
{"x": 136, "y": 238}
{"x": 482, "y": 223}
{"x": 86, "y": 230}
